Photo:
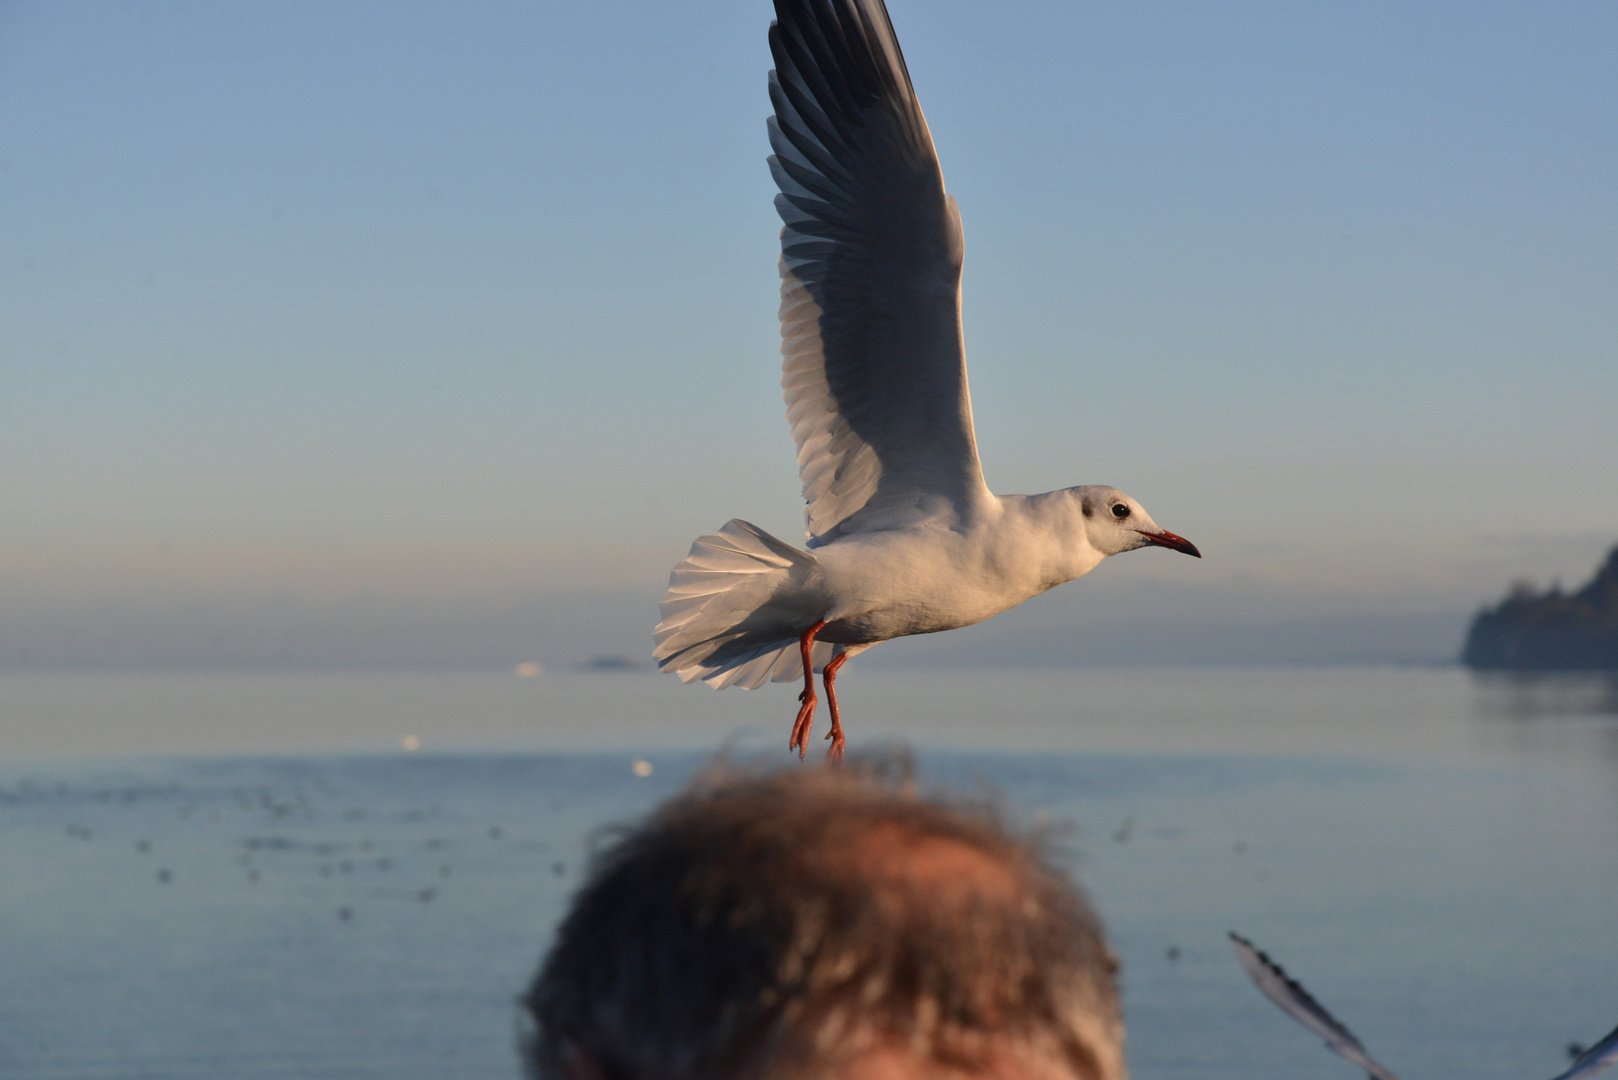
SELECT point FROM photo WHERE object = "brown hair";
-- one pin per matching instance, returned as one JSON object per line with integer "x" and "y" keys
{"x": 779, "y": 923}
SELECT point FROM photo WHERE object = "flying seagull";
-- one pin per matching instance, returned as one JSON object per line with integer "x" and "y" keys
{"x": 904, "y": 535}
{"x": 1296, "y": 1002}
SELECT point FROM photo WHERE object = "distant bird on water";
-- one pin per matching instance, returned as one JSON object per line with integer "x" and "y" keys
{"x": 904, "y": 535}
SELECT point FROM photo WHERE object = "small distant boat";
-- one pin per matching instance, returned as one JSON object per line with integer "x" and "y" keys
{"x": 612, "y": 664}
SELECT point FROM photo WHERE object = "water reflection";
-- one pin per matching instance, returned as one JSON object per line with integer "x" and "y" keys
{"x": 1564, "y": 714}
{"x": 1532, "y": 695}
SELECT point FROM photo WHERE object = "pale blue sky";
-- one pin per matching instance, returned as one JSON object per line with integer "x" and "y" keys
{"x": 453, "y": 303}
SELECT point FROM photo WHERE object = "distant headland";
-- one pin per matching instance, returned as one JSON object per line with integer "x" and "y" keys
{"x": 1550, "y": 631}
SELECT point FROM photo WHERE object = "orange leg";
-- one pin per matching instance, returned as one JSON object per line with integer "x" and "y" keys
{"x": 806, "y": 711}
{"x": 835, "y": 754}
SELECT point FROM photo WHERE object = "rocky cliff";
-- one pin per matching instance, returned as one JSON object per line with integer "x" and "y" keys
{"x": 1552, "y": 631}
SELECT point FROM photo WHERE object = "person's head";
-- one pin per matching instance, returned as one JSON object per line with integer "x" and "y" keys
{"x": 820, "y": 922}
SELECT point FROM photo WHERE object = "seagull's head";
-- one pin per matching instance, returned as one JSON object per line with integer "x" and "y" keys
{"x": 1114, "y": 522}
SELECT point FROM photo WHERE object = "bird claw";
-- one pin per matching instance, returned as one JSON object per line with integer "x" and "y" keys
{"x": 800, "y": 726}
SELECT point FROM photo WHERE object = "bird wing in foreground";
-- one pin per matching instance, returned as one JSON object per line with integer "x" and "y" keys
{"x": 1603, "y": 1055}
{"x": 872, "y": 367}
{"x": 1296, "y": 1003}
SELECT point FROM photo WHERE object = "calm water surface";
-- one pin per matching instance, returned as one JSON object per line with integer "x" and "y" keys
{"x": 247, "y": 875}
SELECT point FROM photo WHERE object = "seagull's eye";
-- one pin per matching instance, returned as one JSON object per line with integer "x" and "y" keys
{"x": 1120, "y": 511}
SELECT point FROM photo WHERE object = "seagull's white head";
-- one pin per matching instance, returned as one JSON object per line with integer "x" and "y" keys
{"x": 1114, "y": 522}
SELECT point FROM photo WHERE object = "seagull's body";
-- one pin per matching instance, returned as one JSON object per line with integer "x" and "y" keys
{"x": 933, "y": 576}
{"x": 905, "y": 536}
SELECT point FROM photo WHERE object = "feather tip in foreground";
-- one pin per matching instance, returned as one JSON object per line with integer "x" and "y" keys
{"x": 1297, "y": 1003}
{"x": 1600, "y": 1057}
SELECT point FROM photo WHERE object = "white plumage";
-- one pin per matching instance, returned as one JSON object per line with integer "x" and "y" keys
{"x": 904, "y": 535}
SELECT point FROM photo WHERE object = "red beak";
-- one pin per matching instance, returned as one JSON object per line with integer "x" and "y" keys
{"x": 1169, "y": 540}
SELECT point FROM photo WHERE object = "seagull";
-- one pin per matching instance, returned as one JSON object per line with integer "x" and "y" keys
{"x": 1297, "y": 1003}
{"x": 904, "y": 536}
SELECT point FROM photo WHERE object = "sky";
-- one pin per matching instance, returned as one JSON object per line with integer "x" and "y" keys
{"x": 421, "y": 333}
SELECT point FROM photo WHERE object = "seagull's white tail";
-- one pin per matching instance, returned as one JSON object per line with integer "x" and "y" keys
{"x": 735, "y": 608}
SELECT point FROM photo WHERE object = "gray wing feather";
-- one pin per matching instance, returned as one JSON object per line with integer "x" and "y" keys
{"x": 873, "y": 371}
{"x": 1603, "y": 1055}
{"x": 1296, "y": 1002}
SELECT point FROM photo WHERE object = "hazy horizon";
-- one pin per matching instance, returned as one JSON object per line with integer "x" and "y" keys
{"x": 409, "y": 335}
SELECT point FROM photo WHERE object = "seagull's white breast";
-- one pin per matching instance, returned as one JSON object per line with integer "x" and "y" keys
{"x": 922, "y": 580}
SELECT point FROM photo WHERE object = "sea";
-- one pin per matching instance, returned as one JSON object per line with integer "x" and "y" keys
{"x": 354, "y": 875}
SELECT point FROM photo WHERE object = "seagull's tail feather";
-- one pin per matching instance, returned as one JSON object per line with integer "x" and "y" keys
{"x": 735, "y": 608}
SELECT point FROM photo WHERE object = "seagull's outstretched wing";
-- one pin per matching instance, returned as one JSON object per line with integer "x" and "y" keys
{"x": 1603, "y": 1055}
{"x": 872, "y": 364}
{"x": 1296, "y": 1003}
